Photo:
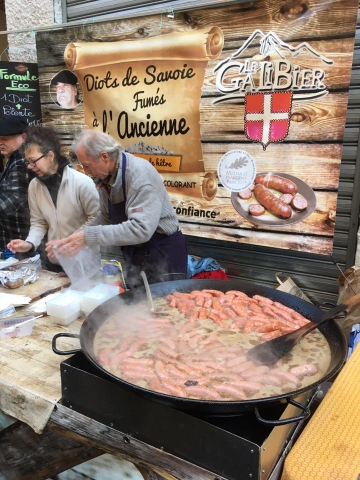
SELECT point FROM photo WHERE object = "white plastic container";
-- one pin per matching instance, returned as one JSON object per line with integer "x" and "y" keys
{"x": 97, "y": 295}
{"x": 6, "y": 309}
{"x": 21, "y": 329}
{"x": 65, "y": 308}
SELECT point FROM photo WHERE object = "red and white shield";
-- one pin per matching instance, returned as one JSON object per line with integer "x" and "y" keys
{"x": 267, "y": 116}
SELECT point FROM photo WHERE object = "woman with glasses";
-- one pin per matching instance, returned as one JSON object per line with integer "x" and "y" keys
{"x": 61, "y": 199}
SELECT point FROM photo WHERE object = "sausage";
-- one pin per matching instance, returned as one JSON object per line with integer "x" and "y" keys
{"x": 254, "y": 307}
{"x": 249, "y": 326}
{"x": 217, "y": 305}
{"x": 194, "y": 333}
{"x": 208, "y": 302}
{"x": 272, "y": 203}
{"x": 286, "y": 377}
{"x": 203, "y": 313}
{"x": 199, "y": 301}
{"x": 104, "y": 356}
{"x": 271, "y": 335}
{"x": 169, "y": 342}
{"x": 202, "y": 293}
{"x": 242, "y": 367}
{"x": 184, "y": 329}
{"x": 155, "y": 385}
{"x": 286, "y": 198}
{"x": 256, "y": 210}
{"x": 183, "y": 295}
{"x": 226, "y": 299}
{"x": 254, "y": 372}
{"x": 245, "y": 194}
{"x": 262, "y": 299}
{"x": 168, "y": 351}
{"x": 204, "y": 393}
{"x": 193, "y": 342}
{"x": 299, "y": 203}
{"x": 303, "y": 370}
{"x": 160, "y": 371}
{"x": 225, "y": 356}
{"x": 239, "y": 323}
{"x": 171, "y": 388}
{"x": 208, "y": 340}
{"x": 237, "y": 293}
{"x": 215, "y": 317}
{"x": 175, "y": 372}
{"x": 230, "y": 391}
{"x": 268, "y": 327}
{"x": 214, "y": 293}
{"x": 276, "y": 182}
{"x": 142, "y": 361}
{"x": 229, "y": 312}
{"x": 239, "y": 309}
{"x": 249, "y": 387}
{"x": 236, "y": 361}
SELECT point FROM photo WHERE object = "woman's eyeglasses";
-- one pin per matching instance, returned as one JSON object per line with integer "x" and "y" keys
{"x": 33, "y": 162}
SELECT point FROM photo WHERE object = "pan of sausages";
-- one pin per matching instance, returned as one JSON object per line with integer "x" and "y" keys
{"x": 190, "y": 353}
{"x": 275, "y": 199}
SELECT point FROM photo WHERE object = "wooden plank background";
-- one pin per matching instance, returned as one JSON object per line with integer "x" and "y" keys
{"x": 311, "y": 151}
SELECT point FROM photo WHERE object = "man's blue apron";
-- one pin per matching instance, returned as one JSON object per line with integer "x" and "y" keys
{"x": 162, "y": 254}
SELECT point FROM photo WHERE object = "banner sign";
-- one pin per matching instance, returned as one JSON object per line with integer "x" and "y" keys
{"x": 241, "y": 111}
{"x": 20, "y": 91}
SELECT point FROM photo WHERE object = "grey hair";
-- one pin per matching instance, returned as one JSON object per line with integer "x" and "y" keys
{"x": 96, "y": 142}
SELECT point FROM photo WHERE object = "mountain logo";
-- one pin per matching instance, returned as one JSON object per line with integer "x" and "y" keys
{"x": 268, "y": 82}
{"x": 273, "y": 69}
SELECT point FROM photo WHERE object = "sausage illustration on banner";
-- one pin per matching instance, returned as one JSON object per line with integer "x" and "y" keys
{"x": 271, "y": 202}
{"x": 275, "y": 199}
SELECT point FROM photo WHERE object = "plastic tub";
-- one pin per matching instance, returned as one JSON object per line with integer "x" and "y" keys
{"x": 21, "y": 329}
{"x": 97, "y": 295}
{"x": 65, "y": 308}
{"x": 6, "y": 309}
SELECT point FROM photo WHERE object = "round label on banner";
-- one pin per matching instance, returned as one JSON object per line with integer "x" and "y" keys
{"x": 236, "y": 170}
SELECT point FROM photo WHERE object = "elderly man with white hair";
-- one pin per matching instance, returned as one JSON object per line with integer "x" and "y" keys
{"x": 135, "y": 212}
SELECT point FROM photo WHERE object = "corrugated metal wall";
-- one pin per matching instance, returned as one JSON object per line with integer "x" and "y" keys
{"x": 316, "y": 275}
{"x": 74, "y": 10}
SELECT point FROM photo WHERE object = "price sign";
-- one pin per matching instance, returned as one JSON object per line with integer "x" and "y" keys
{"x": 20, "y": 91}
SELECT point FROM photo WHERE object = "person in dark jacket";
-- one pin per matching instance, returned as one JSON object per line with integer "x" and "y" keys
{"x": 14, "y": 181}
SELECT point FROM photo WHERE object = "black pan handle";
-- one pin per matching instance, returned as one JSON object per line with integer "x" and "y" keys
{"x": 61, "y": 352}
{"x": 340, "y": 315}
{"x": 285, "y": 421}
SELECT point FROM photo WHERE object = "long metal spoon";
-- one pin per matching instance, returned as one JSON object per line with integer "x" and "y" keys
{"x": 270, "y": 352}
{"x": 148, "y": 292}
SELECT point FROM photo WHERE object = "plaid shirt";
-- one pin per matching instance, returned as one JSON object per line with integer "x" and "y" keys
{"x": 14, "y": 209}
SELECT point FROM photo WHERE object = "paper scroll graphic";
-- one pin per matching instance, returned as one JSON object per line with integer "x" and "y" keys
{"x": 147, "y": 93}
{"x": 205, "y": 43}
{"x": 195, "y": 185}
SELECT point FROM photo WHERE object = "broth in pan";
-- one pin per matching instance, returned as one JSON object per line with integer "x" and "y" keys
{"x": 196, "y": 347}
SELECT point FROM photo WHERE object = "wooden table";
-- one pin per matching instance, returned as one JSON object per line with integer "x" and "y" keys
{"x": 50, "y": 438}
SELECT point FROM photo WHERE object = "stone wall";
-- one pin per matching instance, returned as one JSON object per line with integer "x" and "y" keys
{"x": 28, "y": 15}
